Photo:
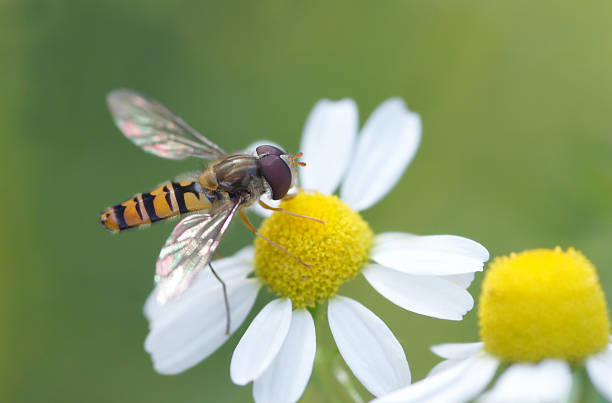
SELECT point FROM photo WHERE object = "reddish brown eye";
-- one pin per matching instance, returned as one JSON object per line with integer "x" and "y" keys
{"x": 277, "y": 173}
{"x": 268, "y": 150}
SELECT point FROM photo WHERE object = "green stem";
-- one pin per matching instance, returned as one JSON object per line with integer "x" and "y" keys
{"x": 575, "y": 395}
{"x": 319, "y": 372}
{"x": 582, "y": 389}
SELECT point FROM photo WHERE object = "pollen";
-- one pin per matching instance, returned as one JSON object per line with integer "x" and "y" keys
{"x": 334, "y": 251}
{"x": 541, "y": 304}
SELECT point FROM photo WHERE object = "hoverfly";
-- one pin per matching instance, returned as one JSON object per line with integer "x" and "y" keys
{"x": 214, "y": 196}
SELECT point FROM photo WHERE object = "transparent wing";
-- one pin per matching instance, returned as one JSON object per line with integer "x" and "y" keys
{"x": 190, "y": 176}
{"x": 155, "y": 129}
{"x": 189, "y": 249}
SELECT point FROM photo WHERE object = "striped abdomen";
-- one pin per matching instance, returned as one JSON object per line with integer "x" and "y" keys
{"x": 168, "y": 200}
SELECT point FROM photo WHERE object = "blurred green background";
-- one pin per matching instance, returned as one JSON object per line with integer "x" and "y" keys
{"x": 516, "y": 102}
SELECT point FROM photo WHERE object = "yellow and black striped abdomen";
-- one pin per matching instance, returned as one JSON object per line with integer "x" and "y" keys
{"x": 168, "y": 200}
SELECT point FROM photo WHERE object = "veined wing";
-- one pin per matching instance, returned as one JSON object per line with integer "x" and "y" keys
{"x": 152, "y": 127}
{"x": 189, "y": 249}
{"x": 189, "y": 176}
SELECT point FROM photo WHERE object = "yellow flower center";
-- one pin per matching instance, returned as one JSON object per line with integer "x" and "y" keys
{"x": 541, "y": 304}
{"x": 335, "y": 251}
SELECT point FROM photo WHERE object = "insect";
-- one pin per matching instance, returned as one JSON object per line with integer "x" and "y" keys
{"x": 214, "y": 196}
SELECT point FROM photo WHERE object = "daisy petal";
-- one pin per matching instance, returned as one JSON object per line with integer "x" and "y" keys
{"x": 425, "y": 295}
{"x": 368, "y": 347}
{"x": 438, "y": 255}
{"x": 460, "y": 383}
{"x": 237, "y": 266}
{"x": 261, "y": 342}
{"x": 548, "y": 381}
{"x": 287, "y": 376}
{"x": 472, "y": 381}
{"x": 456, "y": 351}
{"x": 599, "y": 368}
{"x": 462, "y": 280}
{"x": 388, "y": 141}
{"x": 443, "y": 366}
{"x": 327, "y": 144}
{"x": 187, "y": 330}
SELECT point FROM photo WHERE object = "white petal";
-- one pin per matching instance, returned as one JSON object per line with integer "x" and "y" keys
{"x": 236, "y": 266}
{"x": 548, "y": 381}
{"x": 426, "y": 295}
{"x": 368, "y": 347}
{"x": 462, "y": 280}
{"x": 443, "y": 366}
{"x": 287, "y": 376}
{"x": 261, "y": 342}
{"x": 239, "y": 265}
{"x": 429, "y": 255}
{"x": 599, "y": 368}
{"x": 456, "y": 351}
{"x": 460, "y": 383}
{"x": 388, "y": 141}
{"x": 187, "y": 330}
{"x": 327, "y": 144}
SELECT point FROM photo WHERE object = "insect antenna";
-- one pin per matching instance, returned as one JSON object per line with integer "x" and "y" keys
{"x": 294, "y": 159}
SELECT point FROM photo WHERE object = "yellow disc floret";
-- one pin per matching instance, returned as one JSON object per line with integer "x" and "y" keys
{"x": 541, "y": 304}
{"x": 335, "y": 251}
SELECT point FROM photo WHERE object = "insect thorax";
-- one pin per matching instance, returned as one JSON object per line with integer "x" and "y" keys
{"x": 233, "y": 176}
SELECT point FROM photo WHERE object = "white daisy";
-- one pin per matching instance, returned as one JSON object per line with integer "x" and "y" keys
{"x": 543, "y": 313}
{"x": 424, "y": 274}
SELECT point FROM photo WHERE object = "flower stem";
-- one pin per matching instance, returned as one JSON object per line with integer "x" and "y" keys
{"x": 582, "y": 389}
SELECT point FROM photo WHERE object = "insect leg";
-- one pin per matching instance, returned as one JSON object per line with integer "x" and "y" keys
{"x": 268, "y": 207}
{"x": 227, "y": 307}
{"x": 252, "y": 228}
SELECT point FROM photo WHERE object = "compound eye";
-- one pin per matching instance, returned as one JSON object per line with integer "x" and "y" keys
{"x": 265, "y": 149}
{"x": 277, "y": 173}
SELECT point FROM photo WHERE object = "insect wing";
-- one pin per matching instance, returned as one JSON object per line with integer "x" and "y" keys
{"x": 152, "y": 127}
{"x": 189, "y": 249}
{"x": 190, "y": 176}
